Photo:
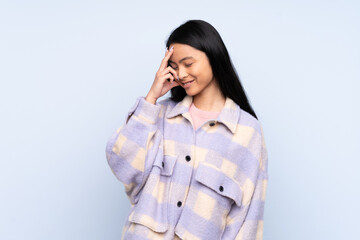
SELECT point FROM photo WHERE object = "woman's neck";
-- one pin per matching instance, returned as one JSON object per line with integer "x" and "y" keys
{"x": 207, "y": 102}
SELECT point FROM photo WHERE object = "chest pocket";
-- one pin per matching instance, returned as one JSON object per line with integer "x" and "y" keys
{"x": 166, "y": 165}
{"x": 214, "y": 194}
{"x": 218, "y": 181}
{"x": 152, "y": 208}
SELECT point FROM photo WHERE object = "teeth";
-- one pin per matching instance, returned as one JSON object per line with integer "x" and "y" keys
{"x": 187, "y": 83}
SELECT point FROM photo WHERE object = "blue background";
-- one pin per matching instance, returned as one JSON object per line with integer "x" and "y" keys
{"x": 71, "y": 70}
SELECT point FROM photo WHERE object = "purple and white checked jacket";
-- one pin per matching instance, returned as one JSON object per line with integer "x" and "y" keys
{"x": 206, "y": 184}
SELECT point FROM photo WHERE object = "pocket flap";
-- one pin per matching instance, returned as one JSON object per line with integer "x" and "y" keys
{"x": 218, "y": 181}
{"x": 166, "y": 164}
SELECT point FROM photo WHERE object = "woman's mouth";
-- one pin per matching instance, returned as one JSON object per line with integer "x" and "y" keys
{"x": 188, "y": 84}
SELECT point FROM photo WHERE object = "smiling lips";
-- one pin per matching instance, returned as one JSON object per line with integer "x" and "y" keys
{"x": 187, "y": 84}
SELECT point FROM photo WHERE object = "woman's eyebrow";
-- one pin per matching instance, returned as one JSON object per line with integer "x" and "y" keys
{"x": 181, "y": 59}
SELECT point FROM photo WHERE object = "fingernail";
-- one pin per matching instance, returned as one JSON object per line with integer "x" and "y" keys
{"x": 171, "y": 48}
{"x": 178, "y": 77}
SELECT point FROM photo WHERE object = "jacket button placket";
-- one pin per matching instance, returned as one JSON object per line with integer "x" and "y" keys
{"x": 188, "y": 159}
{"x": 179, "y": 197}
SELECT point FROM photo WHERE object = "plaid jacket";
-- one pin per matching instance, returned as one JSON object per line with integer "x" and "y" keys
{"x": 206, "y": 184}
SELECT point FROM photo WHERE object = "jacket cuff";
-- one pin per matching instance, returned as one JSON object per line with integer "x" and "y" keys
{"x": 145, "y": 110}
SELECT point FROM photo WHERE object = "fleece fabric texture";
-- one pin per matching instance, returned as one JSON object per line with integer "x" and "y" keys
{"x": 207, "y": 183}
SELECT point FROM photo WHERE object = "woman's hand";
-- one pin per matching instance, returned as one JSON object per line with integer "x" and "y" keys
{"x": 165, "y": 79}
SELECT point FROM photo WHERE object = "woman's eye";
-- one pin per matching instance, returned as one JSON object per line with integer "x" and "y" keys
{"x": 187, "y": 65}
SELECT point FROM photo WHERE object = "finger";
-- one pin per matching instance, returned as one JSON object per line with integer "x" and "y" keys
{"x": 175, "y": 83}
{"x": 164, "y": 62}
{"x": 173, "y": 72}
{"x": 169, "y": 77}
{"x": 167, "y": 70}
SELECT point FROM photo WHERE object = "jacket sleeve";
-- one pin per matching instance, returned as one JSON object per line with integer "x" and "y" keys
{"x": 132, "y": 148}
{"x": 246, "y": 222}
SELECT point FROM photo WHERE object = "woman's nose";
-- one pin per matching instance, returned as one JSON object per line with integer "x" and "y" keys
{"x": 182, "y": 73}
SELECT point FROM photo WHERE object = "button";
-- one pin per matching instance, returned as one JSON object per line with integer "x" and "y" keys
{"x": 188, "y": 158}
{"x": 212, "y": 124}
{"x": 162, "y": 164}
{"x": 221, "y": 188}
{"x": 179, "y": 203}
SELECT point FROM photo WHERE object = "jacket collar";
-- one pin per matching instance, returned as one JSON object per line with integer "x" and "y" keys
{"x": 229, "y": 115}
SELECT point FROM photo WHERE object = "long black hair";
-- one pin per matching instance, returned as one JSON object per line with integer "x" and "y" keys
{"x": 203, "y": 36}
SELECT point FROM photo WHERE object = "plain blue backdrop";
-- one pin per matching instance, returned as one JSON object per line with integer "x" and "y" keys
{"x": 71, "y": 70}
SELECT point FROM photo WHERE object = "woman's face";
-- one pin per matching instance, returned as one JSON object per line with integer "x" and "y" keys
{"x": 192, "y": 66}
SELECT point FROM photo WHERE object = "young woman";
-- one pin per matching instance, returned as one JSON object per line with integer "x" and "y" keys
{"x": 194, "y": 165}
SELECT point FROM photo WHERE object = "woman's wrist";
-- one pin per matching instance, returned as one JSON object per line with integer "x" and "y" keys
{"x": 150, "y": 99}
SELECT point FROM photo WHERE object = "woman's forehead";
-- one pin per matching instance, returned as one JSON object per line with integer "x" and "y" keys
{"x": 183, "y": 52}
